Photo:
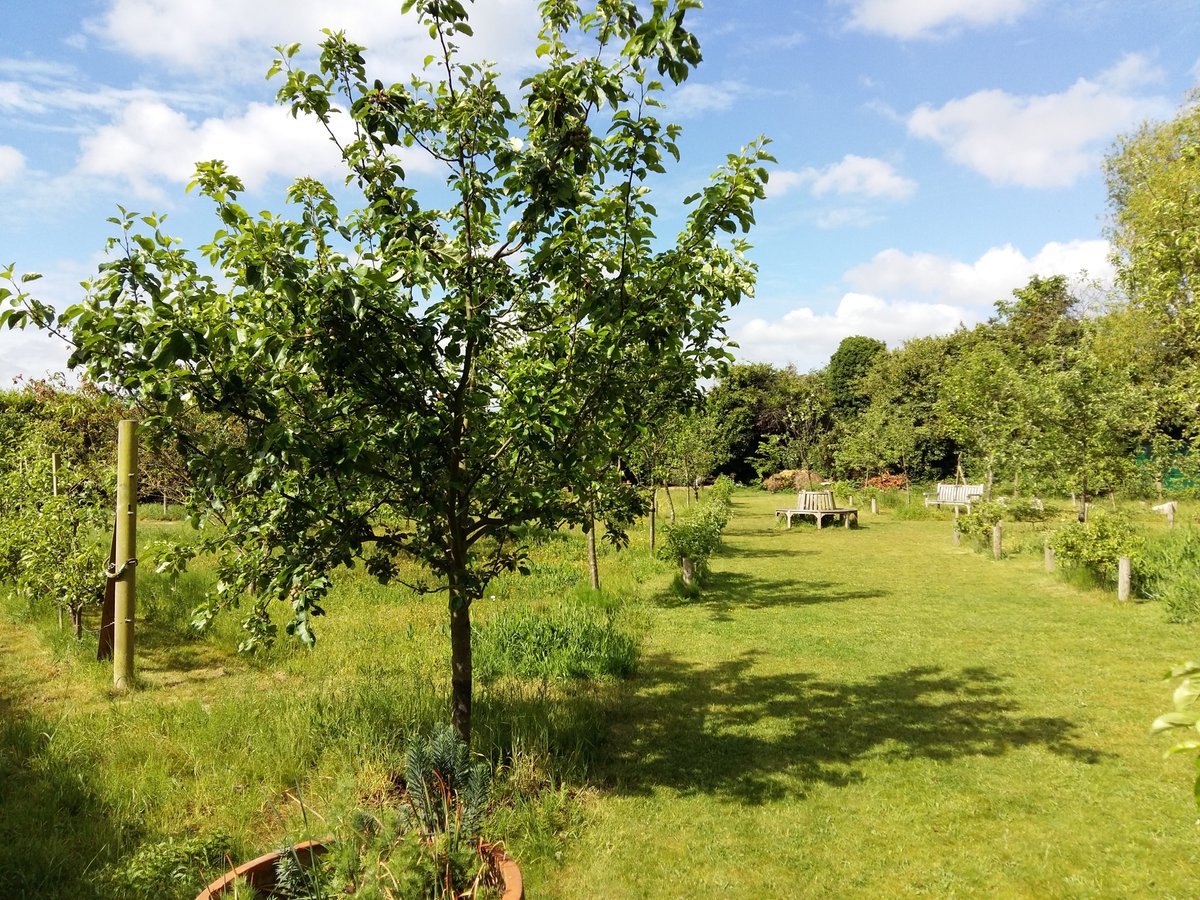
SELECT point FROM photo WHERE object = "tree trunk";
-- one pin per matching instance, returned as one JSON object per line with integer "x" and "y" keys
{"x": 460, "y": 665}
{"x": 593, "y": 563}
{"x": 687, "y": 479}
{"x": 1083, "y": 499}
{"x": 670, "y": 501}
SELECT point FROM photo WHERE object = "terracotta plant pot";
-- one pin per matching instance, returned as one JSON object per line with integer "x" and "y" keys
{"x": 260, "y": 872}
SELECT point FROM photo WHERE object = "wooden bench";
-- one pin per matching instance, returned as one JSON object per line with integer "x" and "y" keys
{"x": 818, "y": 504}
{"x": 955, "y": 495}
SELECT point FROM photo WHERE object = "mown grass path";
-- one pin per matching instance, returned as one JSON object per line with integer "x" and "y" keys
{"x": 877, "y": 712}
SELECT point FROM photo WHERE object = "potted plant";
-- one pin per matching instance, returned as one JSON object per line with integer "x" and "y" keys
{"x": 426, "y": 845}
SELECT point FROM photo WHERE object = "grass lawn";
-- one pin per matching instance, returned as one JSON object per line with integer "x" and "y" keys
{"x": 870, "y": 712}
{"x": 877, "y": 712}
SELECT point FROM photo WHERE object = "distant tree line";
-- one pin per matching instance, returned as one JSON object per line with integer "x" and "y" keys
{"x": 1062, "y": 388}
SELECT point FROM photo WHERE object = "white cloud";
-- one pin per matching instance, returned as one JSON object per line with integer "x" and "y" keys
{"x": 12, "y": 163}
{"x": 808, "y": 338}
{"x": 897, "y": 296}
{"x": 150, "y": 142}
{"x": 909, "y": 19}
{"x": 930, "y": 278}
{"x": 853, "y": 176}
{"x": 234, "y": 37}
{"x": 847, "y": 217}
{"x": 693, "y": 99}
{"x": 31, "y": 354}
{"x": 1041, "y": 141}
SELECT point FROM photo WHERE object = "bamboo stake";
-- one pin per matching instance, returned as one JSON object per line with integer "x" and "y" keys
{"x": 125, "y": 570}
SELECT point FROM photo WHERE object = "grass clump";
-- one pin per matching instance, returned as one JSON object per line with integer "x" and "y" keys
{"x": 568, "y": 643}
{"x": 1169, "y": 570}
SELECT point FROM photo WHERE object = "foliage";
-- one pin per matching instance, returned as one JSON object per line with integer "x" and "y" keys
{"x": 571, "y": 643}
{"x": 171, "y": 869}
{"x": 1153, "y": 177}
{"x": 902, "y": 426}
{"x": 1027, "y": 509}
{"x": 979, "y": 522}
{"x": 1097, "y": 544}
{"x": 413, "y": 380}
{"x": 1185, "y": 714}
{"x": 51, "y": 548}
{"x": 1169, "y": 570}
{"x": 697, "y": 538}
{"x": 847, "y": 367}
{"x": 772, "y": 418}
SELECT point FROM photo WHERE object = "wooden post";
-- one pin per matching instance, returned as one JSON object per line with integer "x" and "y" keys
{"x": 957, "y": 536}
{"x": 688, "y": 570}
{"x": 125, "y": 570}
{"x": 593, "y": 563}
{"x": 1049, "y": 557}
{"x": 54, "y": 474}
{"x": 1123, "y": 578}
{"x": 653, "y": 516}
{"x": 874, "y": 507}
{"x": 996, "y": 529}
{"x": 1171, "y": 515}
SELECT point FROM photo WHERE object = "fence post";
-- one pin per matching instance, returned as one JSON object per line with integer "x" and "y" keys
{"x": 996, "y": 540}
{"x": 1123, "y": 578}
{"x": 874, "y": 507}
{"x": 1049, "y": 557}
{"x": 125, "y": 566}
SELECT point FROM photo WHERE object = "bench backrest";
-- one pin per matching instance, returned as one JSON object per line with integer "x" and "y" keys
{"x": 959, "y": 493}
{"x": 814, "y": 500}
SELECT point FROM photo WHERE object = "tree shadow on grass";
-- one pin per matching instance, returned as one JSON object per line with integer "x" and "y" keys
{"x": 54, "y": 831}
{"x": 725, "y": 592}
{"x": 729, "y": 731}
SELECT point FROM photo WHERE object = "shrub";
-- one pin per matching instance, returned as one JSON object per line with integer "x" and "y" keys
{"x": 1028, "y": 509}
{"x": 1169, "y": 570}
{"x": 172, "y": 868}
{"x": 1097, "y": 544}
{"x": 979, "y": 522}
{"x": 692, "y": 542}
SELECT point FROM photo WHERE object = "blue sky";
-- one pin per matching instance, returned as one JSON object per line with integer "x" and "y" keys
{"x": 933, "y": 154}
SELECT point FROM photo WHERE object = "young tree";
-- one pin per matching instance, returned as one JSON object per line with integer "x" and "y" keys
{"x": 426, "y": 380}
